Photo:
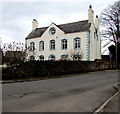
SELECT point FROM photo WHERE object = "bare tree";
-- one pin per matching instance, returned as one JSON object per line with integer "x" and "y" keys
{"x": 12, "y": 46}
{"x": 110, "y": 19}
{"x": 29, "y": 54}
{"x": 74, "y": 55}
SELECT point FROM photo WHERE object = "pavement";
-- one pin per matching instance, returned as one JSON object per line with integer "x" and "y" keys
{"x": 113, "y": 104}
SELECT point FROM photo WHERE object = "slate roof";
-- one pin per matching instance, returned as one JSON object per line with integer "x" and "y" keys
{"x": 79, "y": 26}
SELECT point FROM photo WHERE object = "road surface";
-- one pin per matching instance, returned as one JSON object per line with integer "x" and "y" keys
{"x": 80, "y": 93}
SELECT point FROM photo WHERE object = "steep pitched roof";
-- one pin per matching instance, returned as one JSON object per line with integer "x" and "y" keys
{"x": 66, "y": 28}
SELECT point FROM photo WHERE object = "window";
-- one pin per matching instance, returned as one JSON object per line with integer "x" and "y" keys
{"x": 64, "y": 43}
{"x": 77, "y": 43}
{"x": 52, "y": 45}
{"x": 95, "y": 35}
{"x": 41, "y": 45}
{"x": 32, "y": 46}
{"x": 77, "y": 57}
{"x": 52, "y": 57}
{"x": 52, "y": 31}
{"x": 64, "y": 57}
{"x": 32, "y": 57}
{"x": 41, "y": 57}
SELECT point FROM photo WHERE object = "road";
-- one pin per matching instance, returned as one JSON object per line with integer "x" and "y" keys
{"x": 79, "y": 93}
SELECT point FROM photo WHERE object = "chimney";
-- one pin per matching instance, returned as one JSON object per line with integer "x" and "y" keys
{"x": 90, "y": 15}
{"x": 34, "y": 24}
{"x": 96, "y": 22}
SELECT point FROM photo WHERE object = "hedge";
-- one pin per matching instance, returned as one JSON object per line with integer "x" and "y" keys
{"x": 54, "y": 68}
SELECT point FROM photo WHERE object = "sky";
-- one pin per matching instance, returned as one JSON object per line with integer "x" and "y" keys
{"x": 16, "y": 15}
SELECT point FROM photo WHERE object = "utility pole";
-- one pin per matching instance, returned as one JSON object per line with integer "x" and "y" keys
{"x": 0, "y": 43}
{"x": 110, "y": 56}
{"x": 116, "y": 54}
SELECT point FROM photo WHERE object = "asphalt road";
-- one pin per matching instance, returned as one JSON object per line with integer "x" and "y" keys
{"x": 80, "y": 93}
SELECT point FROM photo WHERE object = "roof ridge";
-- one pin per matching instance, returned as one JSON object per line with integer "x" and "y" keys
{"x": 63, "y": 24}
{"x": 72, "y": 22}
{"x": 72, "y": 27}
{"x": 42, "y": 27}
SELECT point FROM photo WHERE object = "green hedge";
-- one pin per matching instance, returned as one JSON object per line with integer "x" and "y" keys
{"x": 53, "y": 68}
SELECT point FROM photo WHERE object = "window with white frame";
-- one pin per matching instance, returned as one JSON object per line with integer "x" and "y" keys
{"x": 77, "y": 43}
{"x": 41, "y": 45}
{"x": 52, "y": 45}
{"x": 64, "y": 44}
{"x": 32, "y": 46}
{"x": 41, "y": 58}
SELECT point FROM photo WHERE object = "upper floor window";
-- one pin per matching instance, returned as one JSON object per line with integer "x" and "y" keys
{"x": 52, "y": 31}
{"x": 32, "y": 46}
{"x": 52, "y": 45}
{"x": 95, "y": 35}
{"x": 41, "y": 45}
{"x": 64, "y": 44}
{"x": 41, "y": 57}
{"x": 77, "y": 43}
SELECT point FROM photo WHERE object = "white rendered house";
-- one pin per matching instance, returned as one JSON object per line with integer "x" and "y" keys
{"x": 55, "y": 42}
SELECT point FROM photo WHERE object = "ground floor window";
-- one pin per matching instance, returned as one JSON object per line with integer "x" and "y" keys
{"x": 32, "y": 57}
{"x": 52, "y": 57}
{"x": 41, "y": 58}
{"x": 64, "y": 57}
{"x": 77, "y": 57}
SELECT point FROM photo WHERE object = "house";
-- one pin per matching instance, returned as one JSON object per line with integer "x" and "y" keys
{"x": 80, "y": 40}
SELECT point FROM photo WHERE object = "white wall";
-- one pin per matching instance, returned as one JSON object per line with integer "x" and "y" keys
{"x": 95, "y": 45}
{"x": 58, "y": 36}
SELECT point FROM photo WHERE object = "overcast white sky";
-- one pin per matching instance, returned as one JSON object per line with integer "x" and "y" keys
{"x": 16, "y": 15}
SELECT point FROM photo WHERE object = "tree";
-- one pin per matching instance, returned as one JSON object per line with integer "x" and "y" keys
{"x": 110, "y": 19}
{"x": 15, "y": 52}
{"x": 29, "y": 54}
{"x": 1, "y": 56}
{"x": 112, "y": 50}
{"x": 73, "y": 55}
{"x": 12, "y": 52}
